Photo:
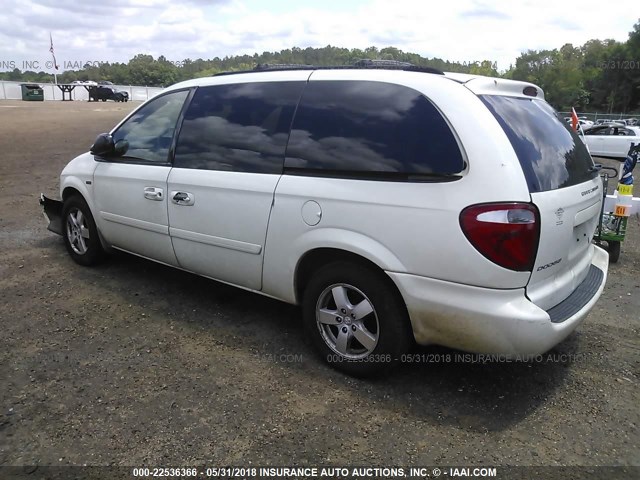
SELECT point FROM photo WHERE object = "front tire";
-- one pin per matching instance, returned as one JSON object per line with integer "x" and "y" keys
{"x": 356, "y": 318}
{"x": 80, "y": 232}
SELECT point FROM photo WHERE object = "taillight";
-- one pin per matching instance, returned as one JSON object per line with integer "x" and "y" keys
{"x": 505, "y": 233}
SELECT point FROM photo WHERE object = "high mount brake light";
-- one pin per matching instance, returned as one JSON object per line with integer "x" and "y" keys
{"x": 505, "y": 233}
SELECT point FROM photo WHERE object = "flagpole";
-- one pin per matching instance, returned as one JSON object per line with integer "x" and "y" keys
{"x": 55, "y": 63}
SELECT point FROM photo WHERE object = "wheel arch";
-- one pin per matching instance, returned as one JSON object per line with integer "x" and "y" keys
{"x": 77, "y": 189}
{"x": 317, "y": 257}
{"x": 286, "y": 265}
{"x": 69, "y": 191}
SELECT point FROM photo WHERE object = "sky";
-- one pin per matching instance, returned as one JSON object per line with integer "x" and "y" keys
{"x": 463, "y": 30}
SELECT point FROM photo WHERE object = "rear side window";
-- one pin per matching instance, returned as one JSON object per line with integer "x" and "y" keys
{"x": 371, "y": 130}
{"x": 551, "y": 154}
{"x": 240, "y": 127}
{"x": 597, "y": 131}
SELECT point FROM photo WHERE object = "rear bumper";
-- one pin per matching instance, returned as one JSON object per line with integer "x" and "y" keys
{"x": 52, "y": 210}
{"x": 491, "y": 321}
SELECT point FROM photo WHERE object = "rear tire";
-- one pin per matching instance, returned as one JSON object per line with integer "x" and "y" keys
{"x": 356, "y": 319}
{"x": 80, "y": 232}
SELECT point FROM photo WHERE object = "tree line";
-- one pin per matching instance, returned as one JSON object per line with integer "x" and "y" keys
{"x": 599, "y": 76}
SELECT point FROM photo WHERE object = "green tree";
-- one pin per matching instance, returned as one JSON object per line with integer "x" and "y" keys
{"x": 601, "y": 75}
{"x": 633, "y": 50}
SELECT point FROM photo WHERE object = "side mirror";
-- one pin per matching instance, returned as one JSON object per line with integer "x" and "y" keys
{"x": 103, "y": 146}
{"x": 120, "y": 148}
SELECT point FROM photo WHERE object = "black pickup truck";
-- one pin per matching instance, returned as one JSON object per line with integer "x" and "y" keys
{"x": 107, "y": 92}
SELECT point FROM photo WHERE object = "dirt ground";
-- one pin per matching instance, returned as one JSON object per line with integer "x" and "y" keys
{"x": 135, "y": 363}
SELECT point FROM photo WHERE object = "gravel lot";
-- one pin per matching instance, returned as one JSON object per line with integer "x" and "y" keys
{"x": 135, "y": 363}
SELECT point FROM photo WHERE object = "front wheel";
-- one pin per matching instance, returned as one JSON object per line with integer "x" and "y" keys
{"x": 80, "y": 232}
{"x": 355, "y": 318}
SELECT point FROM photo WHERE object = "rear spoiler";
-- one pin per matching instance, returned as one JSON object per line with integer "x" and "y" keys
{"x": 497, "y": 86}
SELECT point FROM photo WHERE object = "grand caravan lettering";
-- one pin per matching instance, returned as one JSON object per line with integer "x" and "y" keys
{"x": 548, "y": 265}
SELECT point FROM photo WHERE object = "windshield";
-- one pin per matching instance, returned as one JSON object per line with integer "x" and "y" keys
{"x": 551, "y": 154}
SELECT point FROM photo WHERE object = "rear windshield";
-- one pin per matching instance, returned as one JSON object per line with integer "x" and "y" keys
{"x": 551, "y": 154}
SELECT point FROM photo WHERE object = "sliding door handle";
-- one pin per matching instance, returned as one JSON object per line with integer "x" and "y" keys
{"x": 183, "y": 198}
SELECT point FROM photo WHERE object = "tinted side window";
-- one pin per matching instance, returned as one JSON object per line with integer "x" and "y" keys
{"x": 551, "y": 154}
{"x": 150, "y": 130}
{"x": 597, "y": 131}
{"x": 242, "y": 127}
{"x": 371, "y": 129}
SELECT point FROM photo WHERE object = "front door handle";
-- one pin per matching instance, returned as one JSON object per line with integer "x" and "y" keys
{"x": 183, "y": 198}
{"x": 153, "y": 193}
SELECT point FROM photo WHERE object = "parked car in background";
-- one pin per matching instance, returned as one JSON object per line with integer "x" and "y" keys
{"x": 394, "y": 205}
{"x": 582, "y": 122}
{"x": 105, "y": 92}
{"x": 611, "y": 140}
{"x": 84, "y": 82}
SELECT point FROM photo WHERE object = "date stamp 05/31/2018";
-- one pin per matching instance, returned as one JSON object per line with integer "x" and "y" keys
{"x": 620, "y": 65}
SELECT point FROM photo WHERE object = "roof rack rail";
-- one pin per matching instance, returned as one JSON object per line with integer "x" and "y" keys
{"x": 371, "y": 63}
{"x": 360, "y": 64}
{"x": 395, "y": 65}
{"x": 283, "y": 66}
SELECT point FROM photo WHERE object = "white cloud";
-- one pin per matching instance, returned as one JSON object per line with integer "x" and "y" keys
{"x": 467, "y": 30}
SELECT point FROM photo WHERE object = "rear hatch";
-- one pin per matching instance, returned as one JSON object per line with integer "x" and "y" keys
{"x": 564, "y": 186}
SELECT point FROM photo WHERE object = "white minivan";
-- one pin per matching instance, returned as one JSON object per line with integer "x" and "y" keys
{"x": 395, "y": 204}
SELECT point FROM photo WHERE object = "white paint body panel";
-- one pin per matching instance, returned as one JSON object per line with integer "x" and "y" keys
{"x": 569, "y": 217}
{"x": 125, "y": 218}
{"x": 76, "y": 174}
{"x": 222, "y": 234}
{"x": 486, "y": 320}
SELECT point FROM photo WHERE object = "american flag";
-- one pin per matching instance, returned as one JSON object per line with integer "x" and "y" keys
{"x": 55, "y": 63}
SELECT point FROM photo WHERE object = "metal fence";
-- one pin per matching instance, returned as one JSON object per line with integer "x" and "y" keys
{"x": 12, "y": 91}
{"x": 594, "y": 116}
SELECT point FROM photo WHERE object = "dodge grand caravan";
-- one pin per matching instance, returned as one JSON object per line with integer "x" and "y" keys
{"x": 395, "y": 204}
